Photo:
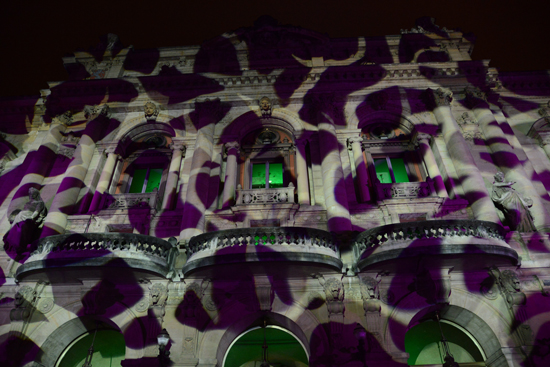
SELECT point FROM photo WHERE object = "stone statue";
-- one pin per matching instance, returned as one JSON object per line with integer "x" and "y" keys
{"x": 265, "y": 107}
{"x": 151, "y": 111}
{"x": 370, "y": 295}
{"x": 25, "y": 224}
{"x": 514, "y": 209}
{"x": 159, "y": 295}
{"x": 334, "y": 290}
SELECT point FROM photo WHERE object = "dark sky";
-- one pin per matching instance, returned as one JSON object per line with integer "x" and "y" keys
{"x": 36, "y": 34}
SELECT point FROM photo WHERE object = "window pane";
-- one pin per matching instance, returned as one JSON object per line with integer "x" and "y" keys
{"x": 258, "y": 175}
{"x": 153, "y": 181}
{"x": 275, "y": 175}
{"x": 137, "y": 181}
{"x": 399, "y": 170}
{"x": 382, "y": 170}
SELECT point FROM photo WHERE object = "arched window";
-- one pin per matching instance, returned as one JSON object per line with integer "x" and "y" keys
{"x": 108, "y": 345}
{"x": 424, "y": 344}
{"x": 267, "y": 172}
{"x": 283, "y": 349}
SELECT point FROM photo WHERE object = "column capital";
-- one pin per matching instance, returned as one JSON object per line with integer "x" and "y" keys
{"x": 232, "y": 145}
{"x": 423, "y": 137}
{"x": 437, "y": 98}
{"x": 177, "y": 145}
{"x": 354, "y": 139}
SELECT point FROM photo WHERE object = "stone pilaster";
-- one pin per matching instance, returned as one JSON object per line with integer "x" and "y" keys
{"x": 354, "y": 144}
{"x": 228, "y": 198}
{"x": 472, "y": 181}
{"x": 428, "y": 157}
{"x": 178, "y": 150}
{"x": 302, "y": 173}
{"x": 105, "y": 178}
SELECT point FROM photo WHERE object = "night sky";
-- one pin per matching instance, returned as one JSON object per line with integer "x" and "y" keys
{"x": 35, "y": 35}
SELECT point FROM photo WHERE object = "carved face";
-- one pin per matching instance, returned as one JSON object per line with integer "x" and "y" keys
{"x": 149, "y": 109}
{"x": 34, "y": 194}
{"x": 499, "y": 177}
{"x": 265, "y": 104}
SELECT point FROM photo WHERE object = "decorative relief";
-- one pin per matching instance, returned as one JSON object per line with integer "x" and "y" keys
{"x": 24, "y": 301}
{"x": 513, "y": 209}
{"x": 151, "y": 111}
{"x": 70, "y": 139}
{"x": 265, "y": 196}
{"x": 472, "y": 136}
{"x": 466, "y": 119}
{"x": 370, "y": 294}
{"x": 265, "y": 107}
{"x": 93, "y": 112}
{"x": 45, "y": 305}
{"x": 65, "y": 118}
{"x": 66, "y": 151}
{"x": 404, "y": 190}
{"x": 334, "y": 293}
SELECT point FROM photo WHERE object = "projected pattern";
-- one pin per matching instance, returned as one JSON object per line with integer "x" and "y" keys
{"x": 360, "y": 197}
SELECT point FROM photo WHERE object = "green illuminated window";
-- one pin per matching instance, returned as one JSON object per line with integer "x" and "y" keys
{"x": 145, "y": 180}
{"x": 267, "y": 175}
{"x": 391, "y": 170}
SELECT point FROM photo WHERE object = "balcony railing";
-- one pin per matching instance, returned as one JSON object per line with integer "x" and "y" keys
{"x": 99, "y": 249}
{"x": 443, "y": 237}
{"x": 404, "y": 190}
{"x": 257, "y": 244}
{"x": 137, "y": 201}
{"x": 280, "y": 195}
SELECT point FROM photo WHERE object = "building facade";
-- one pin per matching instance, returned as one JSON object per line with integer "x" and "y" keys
{"x": 277, "y": 197}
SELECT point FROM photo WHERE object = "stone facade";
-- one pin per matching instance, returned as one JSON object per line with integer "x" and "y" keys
{"x": 348, "y": 192}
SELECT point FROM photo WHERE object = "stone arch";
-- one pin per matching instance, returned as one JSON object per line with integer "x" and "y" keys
{"x": 254, "y": 320}
{"x": 481, "y": 329}
{"x": 140, "y": 126}
{"x": 63, "y": 336}
{"x": 247, "y": 122}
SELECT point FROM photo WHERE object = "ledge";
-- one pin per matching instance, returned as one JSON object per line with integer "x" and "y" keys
{"x": 263, "y": 244}
{"x": 458, "y": 238}
{"x": 105, "y": 250}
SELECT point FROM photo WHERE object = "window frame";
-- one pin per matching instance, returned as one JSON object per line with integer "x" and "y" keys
{"x": 145, "y": 180}
{"x": 266, "y": 162}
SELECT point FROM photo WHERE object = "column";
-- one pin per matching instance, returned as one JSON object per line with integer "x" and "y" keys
{"x": 170, "y": 192}
{"x": 428, "y": 157}
{"x": 302, "y": 173}
{"x": 228, "y": 198}
{"x": 334, "y": 187}
{"x": 40, "y": 164}
{"x": 505, "y": 157}
{"x": 354, "y": 144}
{"x": 545, "y": 142}
{"x": 104, "y": 179}
{"x": 67, "y": 193}
{"x": 468, "y": 173}
{"x": 196, "y": 199}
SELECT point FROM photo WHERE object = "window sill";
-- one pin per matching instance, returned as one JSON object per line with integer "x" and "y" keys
{"x": 400, "y": 190}
{"x": 282, "y": 195}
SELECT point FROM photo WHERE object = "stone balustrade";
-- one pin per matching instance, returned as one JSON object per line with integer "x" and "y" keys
{"x": 292, "y": 243}
{"x": 97, "y": 249}
{"x": 150, "y": 200}
{"x": 430, "y": 237}
{"x": 266, "y": 196}
{"x": 404, "y": 190}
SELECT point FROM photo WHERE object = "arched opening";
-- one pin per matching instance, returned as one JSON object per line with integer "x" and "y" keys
{"x": 283, "y": 349}
{"x": 108, "y": 346}
{"x": 425, "y": 347}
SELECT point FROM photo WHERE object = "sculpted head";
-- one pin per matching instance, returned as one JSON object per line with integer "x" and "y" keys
{"x": 265, "y": 104}
{"x": 150, "y": 109}
{"x": 511, "y": 281}
{"x": 499, "y": 177}
{"x": 333, "y": 288}
{"x": 34, "y": 194}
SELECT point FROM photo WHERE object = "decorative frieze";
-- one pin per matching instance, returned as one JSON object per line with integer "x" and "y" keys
{"x": 404, "y": 190}
{"x": 279, "y": 195}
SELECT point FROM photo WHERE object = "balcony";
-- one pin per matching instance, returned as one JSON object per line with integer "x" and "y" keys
{"x": 263, "y": 246}
{"x": 78, "y": 254}
{"x": 456, "y": 240}
{"x": 404, "y": 190}
{"x": 282, "y": 195}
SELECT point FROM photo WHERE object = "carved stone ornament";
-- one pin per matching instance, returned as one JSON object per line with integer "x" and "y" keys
{"x": 24, "y": 303}
{"x": 158, "y": 295}
{"x": 66, "y": 151}
{"x": 474, "y": 96}
{"x": 466, "y": 119}
{"x": 65, "y": 118}
{"x": 443, "y": 97}
{"x": 151, "y": 111}
{"x": 45, "y": 305}
{"x": 370, "y": 294}
{"x": 265, "y": 107}
{"x": 334, "y": 294}
{"x": 387, "y": 296}
{"x": 471, "y": 136}
{"x": 489, "y": 288}
{"x": 511, "y": 288}
{"x": 93, "y": 112}
{"x": 142, "y": 305}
